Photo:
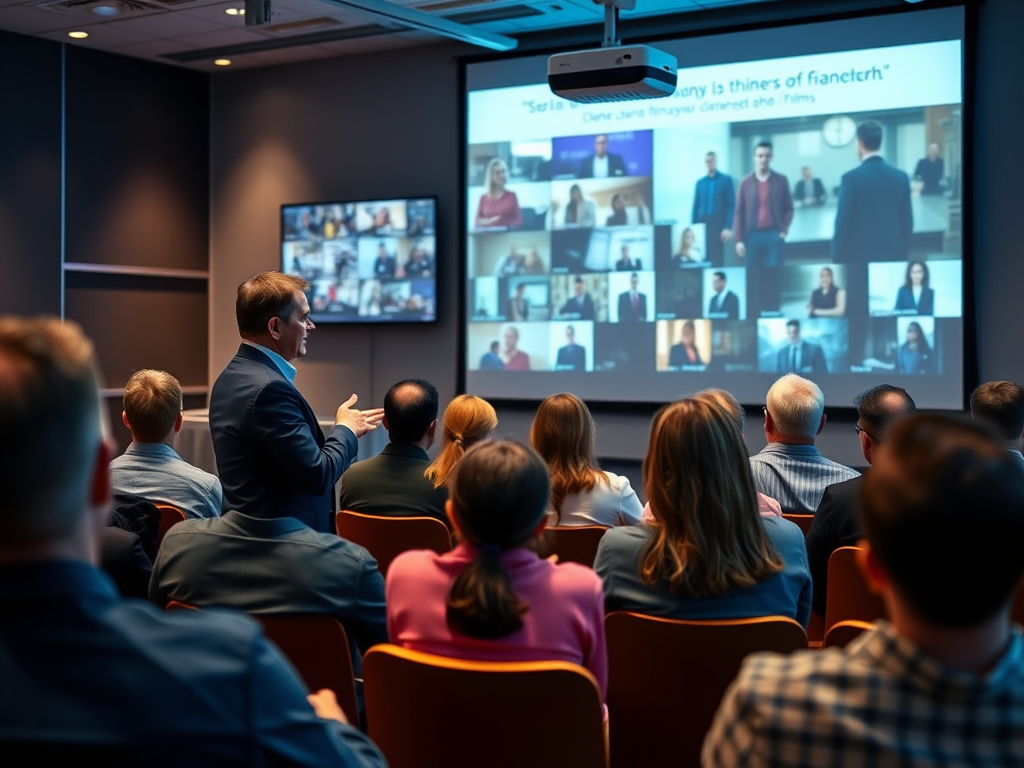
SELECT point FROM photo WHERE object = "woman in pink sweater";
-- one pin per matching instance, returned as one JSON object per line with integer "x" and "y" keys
{"x": 493, "y": 598}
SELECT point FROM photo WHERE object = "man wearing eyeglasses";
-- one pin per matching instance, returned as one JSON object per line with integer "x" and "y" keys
{"x": 837, "y": 520}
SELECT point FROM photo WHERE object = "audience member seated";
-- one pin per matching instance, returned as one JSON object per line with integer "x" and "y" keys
{"x": 150, "y": 468}
{"x": 581, "y": 494}
{"x": 120, "y": 679}
{"x": 836, "y": 521}
{"x": 124, "y": 559}
{"x": 1000, "y": 404}
{"x": 943, "y": 684}
{"x": 766, "y": 505}
{"x": 707, "y": 553}
{"x": 492, "y": 598}
{"x": 272, "y": 565}
{"x": 467, "y": 420}
{"x": 392, "y": 484}
{"x": 790, "y": 468}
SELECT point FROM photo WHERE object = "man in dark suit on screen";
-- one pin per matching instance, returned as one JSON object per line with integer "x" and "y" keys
{"x": 724, "y": 305}
{"x": 632, "y": 303}
{"x": 571, "y": 357}
{"x": 272, "y": 458}
{"x": 580, "y": 305}
{"x": 602, "y": 163}
{"x": 800, "y": 356}
{"x": 874, "y": 220}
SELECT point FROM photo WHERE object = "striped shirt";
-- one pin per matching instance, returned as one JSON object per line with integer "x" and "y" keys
{"x": 796, "y": 475}
{"x": 879, "y": 702}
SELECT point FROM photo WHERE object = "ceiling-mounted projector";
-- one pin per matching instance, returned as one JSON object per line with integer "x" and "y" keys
{"x": 613, "y": 72}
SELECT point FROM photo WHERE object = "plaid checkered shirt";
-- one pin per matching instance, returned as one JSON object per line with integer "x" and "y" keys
{"x": 880, "y": 702}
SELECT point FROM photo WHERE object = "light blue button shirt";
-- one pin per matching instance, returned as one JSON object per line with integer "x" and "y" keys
{"x": 287, "y": 369}
{"x": 156, "y": 473}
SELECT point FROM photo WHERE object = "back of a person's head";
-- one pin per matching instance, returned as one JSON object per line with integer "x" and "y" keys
{"x": 152, "y": 403}
{"x": 942, "y": 511}
{"x": 725, "y": 399}
{"x": 468, "y": 419}
{"x": 263, "y": 297}
{"x": 707, "y": 534}
{"x": 498, "y": 494}
{"x": 1001, "y": 405}
{"x": 796, "y": 406}
{"x": 869, "y": 133}
{"x": 879, "y": 406}
{"x": 50, "y": 421}
{"x": 563, "y": 434}
{"x": 410, "y": 407}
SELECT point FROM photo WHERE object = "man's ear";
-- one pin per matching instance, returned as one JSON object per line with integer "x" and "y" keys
{"x": 178, "y": 422}
{"x": 874, "y": 574}
{"x": 431, "y": 430}
{"x": 384, "y": 421}
{"x": 821, "y": 426}
{"x": 124, "y": 419}
{"x": 274, "y": 327}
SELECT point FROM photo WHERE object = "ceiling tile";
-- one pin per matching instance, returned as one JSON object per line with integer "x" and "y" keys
{"x": 167, "y": 25}
{"x": 101, "y": 36}
{"x": 33, "y": 20}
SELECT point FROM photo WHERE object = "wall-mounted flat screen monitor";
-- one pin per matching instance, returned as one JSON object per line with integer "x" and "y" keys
{"x": 795, "y": 206}
{"x": 370, "y": 261}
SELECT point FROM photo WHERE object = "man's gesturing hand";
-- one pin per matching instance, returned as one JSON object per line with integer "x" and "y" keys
{"x": 360, "y": 422}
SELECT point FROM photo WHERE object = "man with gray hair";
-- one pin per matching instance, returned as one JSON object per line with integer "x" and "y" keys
{"x": 790, "y": 468}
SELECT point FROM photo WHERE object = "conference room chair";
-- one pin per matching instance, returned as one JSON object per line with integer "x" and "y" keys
{"x": 843, "y": 633}
{"x": 666, "y": 678}
{"x": 804, "y": 521}
{"x": 848, "y": 596}
{"x": 426, "y": 711}
{"x": 170, "y": 516}
{"x": 574, "y": 544}
{"x": 388, "y": 537}
{"x": 317, "y": 646}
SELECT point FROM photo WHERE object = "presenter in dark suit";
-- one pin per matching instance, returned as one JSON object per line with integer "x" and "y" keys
{"x": 724, "y": 305}
{"x": 571, "y": 357}
{"x": 580, "y": 306}
{"x": 632, "y": 303}
{"x": 800, "y": 356}
{"x": 714, "y": 203}
{"x": 874, "y": 220}
{"x": 272, "y": 458}
{"x": 602, "y": 163}
{"x": 915, "y": 294}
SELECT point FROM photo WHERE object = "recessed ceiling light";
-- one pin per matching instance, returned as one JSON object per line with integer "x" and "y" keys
{"x": 107, "y": 10}
{"x": 78, "y": 35}
{"x": 222, "y": 62}
{"x": 235, "y": 11}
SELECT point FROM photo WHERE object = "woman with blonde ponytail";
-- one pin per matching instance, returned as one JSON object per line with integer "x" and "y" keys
{"x": 467, "y": 420}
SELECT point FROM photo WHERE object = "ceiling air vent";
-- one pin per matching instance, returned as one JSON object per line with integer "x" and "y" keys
{"x": 102, "y": 9}
{"x": 495, "y": 14}
{"x": 303, "y": 25}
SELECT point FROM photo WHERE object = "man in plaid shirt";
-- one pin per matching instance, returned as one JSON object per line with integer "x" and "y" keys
{"x": 943, "y": 684}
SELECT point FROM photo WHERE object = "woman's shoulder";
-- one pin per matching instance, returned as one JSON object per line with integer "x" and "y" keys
{"x": 625, "y": 538}
{"x": 783, "y": 532}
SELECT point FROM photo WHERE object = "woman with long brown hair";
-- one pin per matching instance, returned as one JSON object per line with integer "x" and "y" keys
{"x": 707, "y": 554}
{"x": 467, "y": 420}
{"x": 581, "y": 494}
{"x": 493, "y": 598}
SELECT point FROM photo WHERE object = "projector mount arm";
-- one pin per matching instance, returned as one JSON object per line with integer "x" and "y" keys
{"x": 611, "y": 19}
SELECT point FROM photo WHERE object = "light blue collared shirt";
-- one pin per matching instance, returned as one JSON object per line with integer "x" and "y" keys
{"x": 796, "y": 475}
{"x": 155, "y": 472}
{"x": 287, "y": 369}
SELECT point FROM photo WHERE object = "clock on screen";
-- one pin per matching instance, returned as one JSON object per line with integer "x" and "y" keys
{"x": 839, "y": 130}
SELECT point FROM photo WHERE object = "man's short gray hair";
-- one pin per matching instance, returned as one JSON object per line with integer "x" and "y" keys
{"x": 796, "y": 406}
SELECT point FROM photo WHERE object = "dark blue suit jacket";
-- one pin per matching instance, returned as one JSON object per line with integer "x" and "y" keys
{"x": 123, "y": 681}
{"x": 874, "y": 220}
{"x": 729, "y": 306}
{"x": 272, "y": 457}
{"x": 905, "y": 300}
{"x": 572, "y": 355}
{"x": 812, "y": 359}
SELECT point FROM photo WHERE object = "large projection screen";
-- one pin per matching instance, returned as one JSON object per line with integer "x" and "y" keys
{"x": 746, "y": 227}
